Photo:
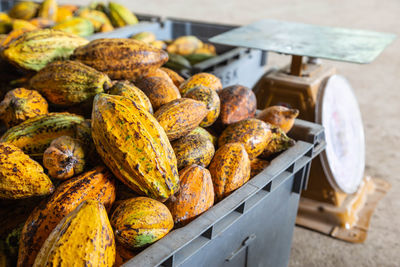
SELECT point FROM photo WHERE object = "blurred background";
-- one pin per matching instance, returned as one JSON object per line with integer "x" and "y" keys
{"x": 376, "y": 86}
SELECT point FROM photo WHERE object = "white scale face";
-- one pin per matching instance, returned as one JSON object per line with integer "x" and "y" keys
{"x": 344, "y": 158}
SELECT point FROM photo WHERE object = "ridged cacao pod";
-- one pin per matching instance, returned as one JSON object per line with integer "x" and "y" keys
{"x": 96, "y": 17}
{"x": 35, "y": 49}
{"x": 63, "y": 13}
{"x": 20, "y": 176}
{"x": 254, "y": 134}
{"x": 181, "y": 116}
{"x": 185, "y": 45}
{"x": 120, "y": 15}
{"x": 21, "y": 104}
{"x": 126, "y": 89}
{"x": 121, "y": 59}
{"x": 146, "y": 37}
{"x": 34, "y": 135}
{"x": 83, "y": 238}
{"x": 205, "y": 133}
{"x": 175, "y": 77}
{"x": 64, "y": 158}
{"x": 279, "y": 116}
{"x": 141, "y": 221}
{"x": 205, "y": 79}
{"x": 160, "y": 91}
{"x": 279, "y": 142}
{"x": 193, "y": 149}
{"x": 24, "y": 10}
{"x": 97, "y": 184}
{"x": 48, "y": 10}
{"x": 134, "y": 146}
{"x": 209, "y": 97}
{"x": 230, "y": 169}
{"x": 237, "y": 103}
{"x": 257, "y": 165}
{"x": 123, "y": 254}
{"x": 196, "y": 195}
{"x": 42, "y": 23}
{"x": 67, "y": 83}
{"x": 18, "y": 24}
{"x": 158, "y": 73}
{"x": 76, "y": 25}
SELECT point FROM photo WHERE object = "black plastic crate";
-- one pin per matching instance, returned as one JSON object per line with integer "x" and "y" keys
{"x": 6, "y": 5}
{"x": 233, "y": 65}
{"x": 251, "y": 227}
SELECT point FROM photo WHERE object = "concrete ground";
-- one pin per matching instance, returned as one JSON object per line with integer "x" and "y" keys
{"x": 377, "y": 87}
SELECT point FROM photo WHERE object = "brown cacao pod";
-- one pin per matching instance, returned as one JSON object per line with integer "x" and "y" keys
{"x": 121, "y": 59}
{"x": 160, "y": 91}
{"x": 237, "y": 103}
{"x": 123, "y": 254}
{"x": 64, "y": 158}
{"x": 230, "y": 169}
{"x": 196, "y": 195}
{"x": 180, "y": 117}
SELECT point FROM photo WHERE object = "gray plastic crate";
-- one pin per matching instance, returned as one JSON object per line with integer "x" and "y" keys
{"x": 251, "y": 227}
{"x": 233, "y": 65}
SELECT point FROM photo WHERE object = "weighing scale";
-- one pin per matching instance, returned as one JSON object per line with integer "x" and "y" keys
{"x": 339, "y": 200}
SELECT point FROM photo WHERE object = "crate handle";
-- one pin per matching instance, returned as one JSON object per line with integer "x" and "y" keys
{"x": 244, "y": 245}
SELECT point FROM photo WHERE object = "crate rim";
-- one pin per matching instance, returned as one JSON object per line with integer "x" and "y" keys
{"x": 286, "y": 162}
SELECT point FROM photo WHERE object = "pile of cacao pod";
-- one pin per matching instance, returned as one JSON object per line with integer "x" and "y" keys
{"x": 84, "y": 21}
{"x": 183, "y": 52}
{"x": 106, "y": 150}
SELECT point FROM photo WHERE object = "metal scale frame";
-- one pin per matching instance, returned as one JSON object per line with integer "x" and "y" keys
{"x": 339, "y": 199}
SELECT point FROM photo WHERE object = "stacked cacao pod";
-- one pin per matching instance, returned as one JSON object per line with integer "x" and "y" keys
{"x": 106, "y": 151}
{"x": 84, "y": 21}
{"x": 184, "y": 52}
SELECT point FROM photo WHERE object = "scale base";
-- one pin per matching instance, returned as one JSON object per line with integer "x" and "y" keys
{"x": 350, "y": 220}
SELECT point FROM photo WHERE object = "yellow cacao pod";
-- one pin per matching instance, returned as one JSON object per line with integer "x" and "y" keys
{"x": 121, "y": 16}
{"x": 34, "y": 135}
{"x": 134, "y": 146}
{"x": 21, "y": 176}
{"x": 35, "y": 49}
{"x": 83, "y": 238}
{"x": 48, "y": 10}
{"x": 21, "y": 104}
{"x": 69, "y": 82}
{"x": 24, "y": 10}
{"x": 76, "y": 25}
